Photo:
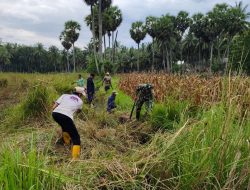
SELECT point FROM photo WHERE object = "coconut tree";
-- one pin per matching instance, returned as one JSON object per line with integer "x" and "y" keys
{"x": 66, "y": 44}
{"x": 113, "y": 19}
{"x": 92, "y": 22}
{"x": 72, "y": 32}
{"x": 151, "y": 30}
{"x": 5, "y": 57}
{"x": 138, "y": 33}
{"x": 54, "y": 56}
{"x": 166, "y": 35}
{"x": 102, "y": 5}
{"x": 182, "y": 22}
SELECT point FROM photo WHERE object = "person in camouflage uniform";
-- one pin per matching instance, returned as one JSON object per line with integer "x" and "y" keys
{"x": 144, "y": 94}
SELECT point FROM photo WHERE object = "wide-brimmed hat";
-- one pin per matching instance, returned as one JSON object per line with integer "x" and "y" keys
{"x": 80, "y": 90}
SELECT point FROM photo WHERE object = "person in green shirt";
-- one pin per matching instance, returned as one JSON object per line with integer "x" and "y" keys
{"x": 80, "y": 81}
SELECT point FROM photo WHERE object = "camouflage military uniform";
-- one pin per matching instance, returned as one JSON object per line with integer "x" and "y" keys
{"x": 144, "y": 94}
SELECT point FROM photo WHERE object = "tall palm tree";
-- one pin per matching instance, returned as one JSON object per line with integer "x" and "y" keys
{"x": 113, "y": 19}
{"x": 166, "y": 36}
{"x": 54, "y": 56}
{"x": 151, "y": 30}
{"x": 182, "y": 22}
{"x": 66, "y": 44}
{"x": 138, "y": 33}
{"x": 102, "y": 5}
{"x": 72, "y": 31}
{"x": 91, "y": 3}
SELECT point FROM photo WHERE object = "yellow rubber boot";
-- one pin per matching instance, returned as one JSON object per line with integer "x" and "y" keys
{"x": 66, "y": 138}
{"x": 76, "y": 151}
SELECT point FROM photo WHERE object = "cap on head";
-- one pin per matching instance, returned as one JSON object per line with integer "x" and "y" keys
{"x": 80, "y": 90}
{"x": 114, "y": 92}
{"x": 107, "y": 73}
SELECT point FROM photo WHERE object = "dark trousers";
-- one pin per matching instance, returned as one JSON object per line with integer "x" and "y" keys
{"x": 139, "y": 104}
{"x": 106, "y": 88}
{"x": 90, "y": 97}
{"x": 68, "y": 126}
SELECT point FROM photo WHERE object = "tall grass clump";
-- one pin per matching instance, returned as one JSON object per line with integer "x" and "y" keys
{"x": 36, "y": 103}
{"x": 3, "y": 83}
{"x": 165, "y": 116}
{"x": 26, "y": 171}
{"x": 63, "y": 88}
{"x": 34, "y": 107}
{"x": 210, "y": 151}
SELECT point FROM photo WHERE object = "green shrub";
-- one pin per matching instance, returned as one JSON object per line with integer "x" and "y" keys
{"x": 37, "y": 102}
{"x": 3, "y": 82}
{"x": 24, "y": 84}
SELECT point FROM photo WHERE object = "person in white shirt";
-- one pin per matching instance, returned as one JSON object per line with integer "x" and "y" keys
{"x": 63, "y": 111}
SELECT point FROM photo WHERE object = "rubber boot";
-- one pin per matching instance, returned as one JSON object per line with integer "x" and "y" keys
{"x": 76, "y": 152}
{"x": 66, "y": 138}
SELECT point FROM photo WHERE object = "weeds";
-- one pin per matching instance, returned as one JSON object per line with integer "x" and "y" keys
{"x": 205, "y": 146}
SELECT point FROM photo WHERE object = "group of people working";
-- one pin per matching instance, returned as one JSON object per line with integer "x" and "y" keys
{"x": 68, "y": 104}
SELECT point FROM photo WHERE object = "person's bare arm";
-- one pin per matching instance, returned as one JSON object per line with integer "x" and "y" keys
{"x": 55, "y": 105}
{"x": 78, "y": 111}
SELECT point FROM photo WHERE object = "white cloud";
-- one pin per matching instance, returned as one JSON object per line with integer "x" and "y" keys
{"x": 18, "y": 35}
{"x": 30, "y": 21}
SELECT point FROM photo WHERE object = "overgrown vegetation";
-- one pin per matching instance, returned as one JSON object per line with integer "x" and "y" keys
{"x": 182, "y": 145}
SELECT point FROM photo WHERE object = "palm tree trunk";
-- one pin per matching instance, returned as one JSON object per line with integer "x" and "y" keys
{"x": 164, "y": 59}
{"x": 104, "y": 41}
{"x": 114, "y": 48}
{"x": 153, "y": 55}
{"x": 138, "y": 59}
{"x": 74, "y": 59}
{"x": 170, "y": 61}
{"x": 109, "y": 39}
{"x": 211, "y": 56}
{"x": 68, "y": 60}
{"x": 100, "y": 28}
{"x": 199, "y": 55}
{"x": 113, "y": 44}
{"x": 226, "y": 54}
{"x": 94, "y": 39}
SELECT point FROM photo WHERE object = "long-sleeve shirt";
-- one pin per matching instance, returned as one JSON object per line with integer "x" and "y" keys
{"x": 90, "y": 86}
{"x": 111, "y": 103}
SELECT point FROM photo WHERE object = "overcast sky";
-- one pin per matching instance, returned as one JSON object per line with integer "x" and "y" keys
{"x": 32, "y": 21}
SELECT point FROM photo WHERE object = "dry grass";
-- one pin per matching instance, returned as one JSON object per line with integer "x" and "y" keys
{"x": 197, "y": 89}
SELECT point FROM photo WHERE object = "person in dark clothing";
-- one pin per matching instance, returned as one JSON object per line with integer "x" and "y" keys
{"x": 144, "y": 94}
{"x": 111, "y": 102}
{"x": 90, "y": 88}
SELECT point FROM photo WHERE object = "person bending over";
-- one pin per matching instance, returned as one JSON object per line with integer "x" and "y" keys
{"x": 63, "y": 113}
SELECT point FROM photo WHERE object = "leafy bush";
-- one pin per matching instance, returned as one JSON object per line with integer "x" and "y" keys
{"x": 36, "y": 103}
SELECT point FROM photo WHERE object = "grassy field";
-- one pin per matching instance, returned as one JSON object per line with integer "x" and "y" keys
{"x": 183, "y": 144}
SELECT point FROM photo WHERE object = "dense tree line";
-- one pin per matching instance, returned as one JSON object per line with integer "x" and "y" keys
{"x": 216, "y": 41}
{"x": 200, "y": 42}
{"x": 22, "y": 58}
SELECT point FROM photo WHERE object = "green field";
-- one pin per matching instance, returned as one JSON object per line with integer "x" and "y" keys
{"x": 180, "y": 146}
